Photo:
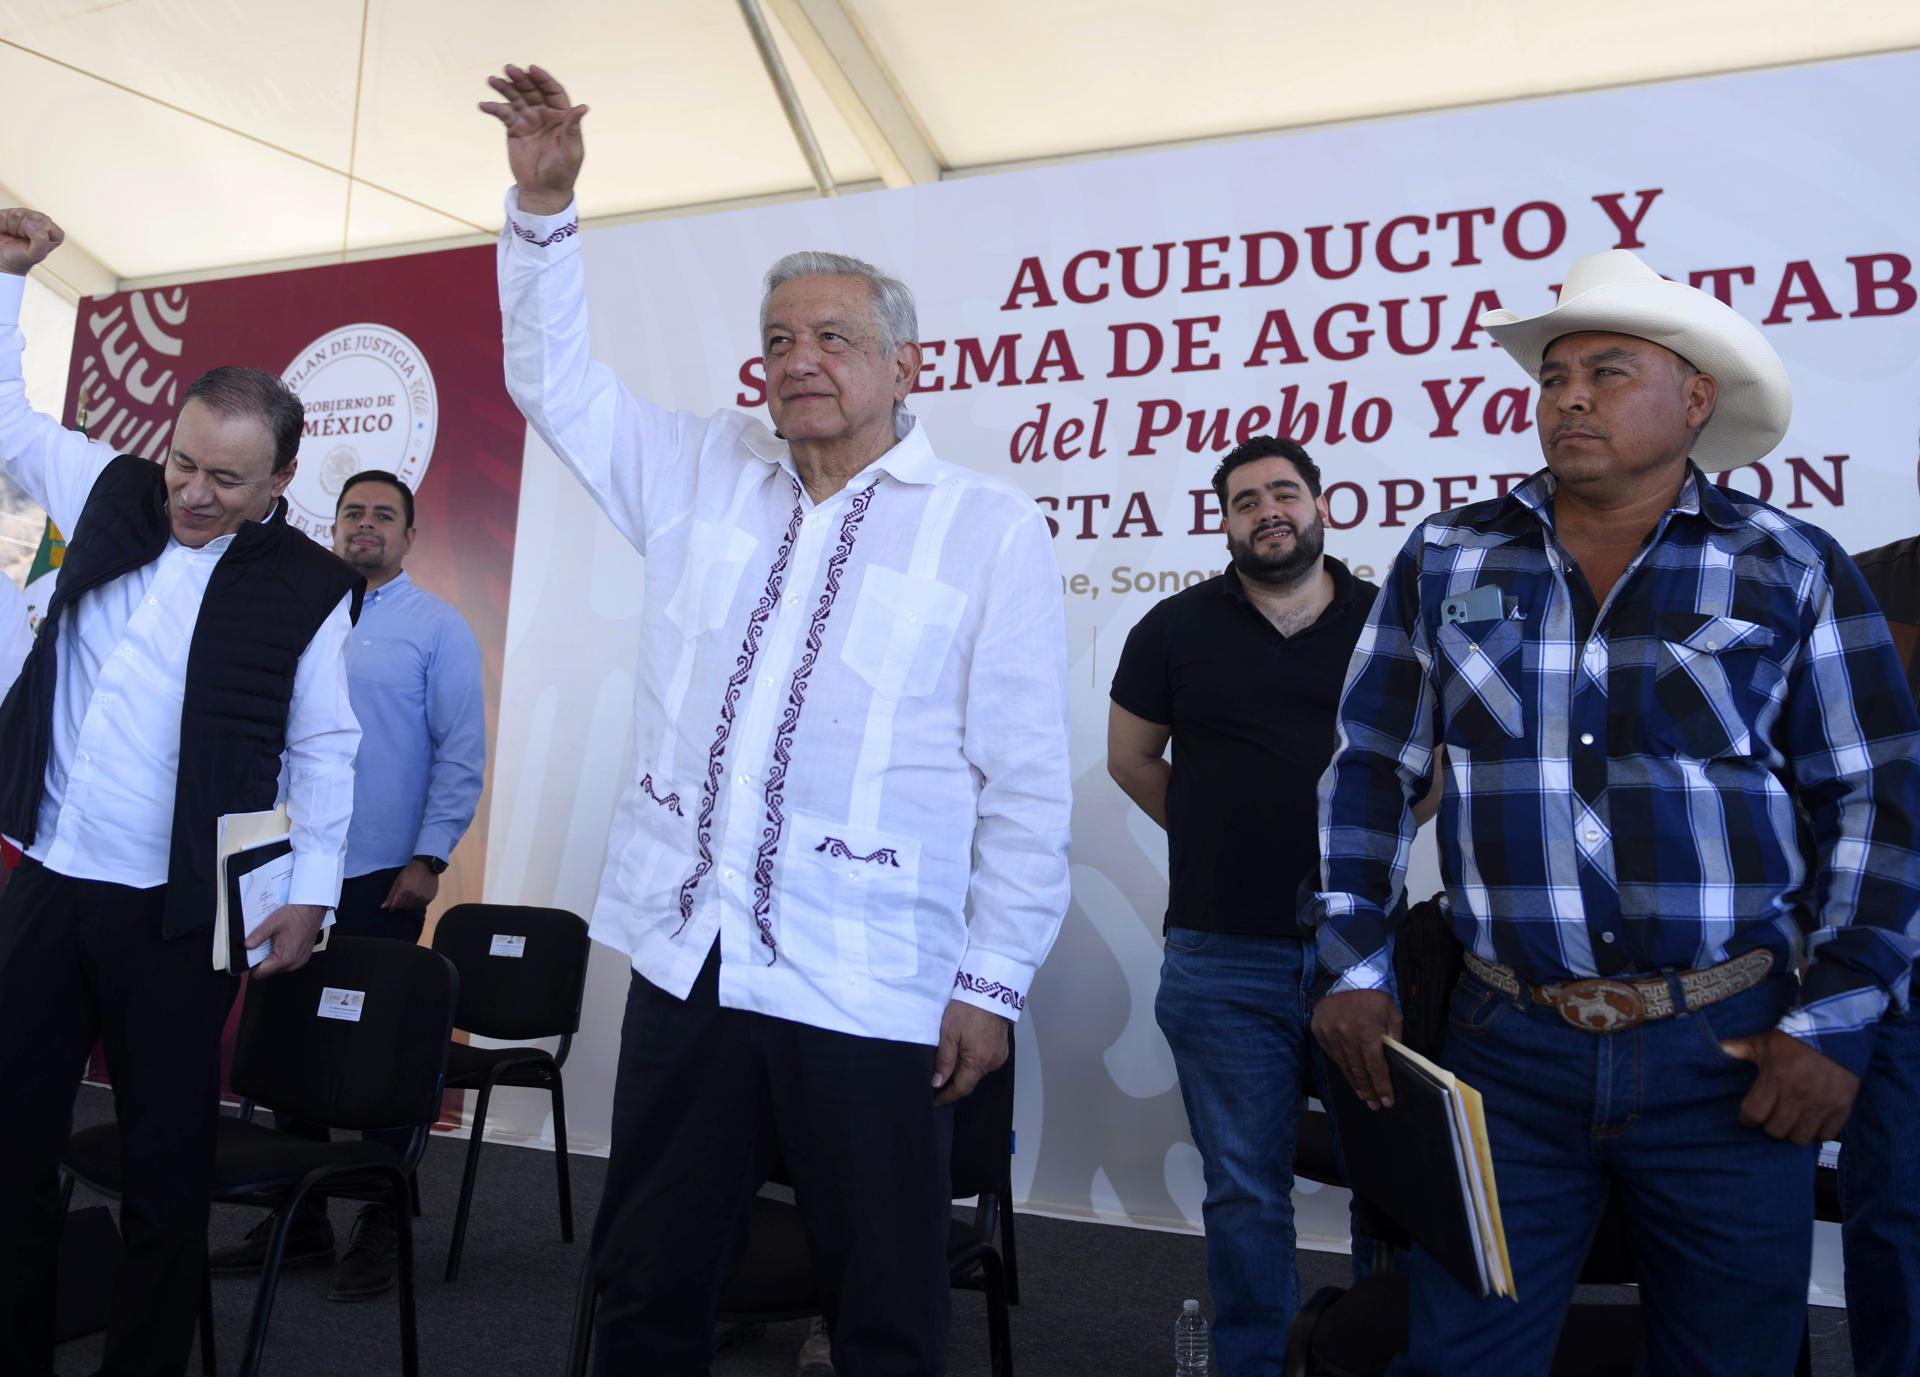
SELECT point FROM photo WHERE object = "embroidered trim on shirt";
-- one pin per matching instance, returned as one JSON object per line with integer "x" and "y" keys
{"x": 743, "y": 666}
{"x": 783, "y": 735}
{"x": 840, "y": 851}
{"x": 671, "y": 802}
{"x": 566, "y": 231}
{"x": 990, "y": 989}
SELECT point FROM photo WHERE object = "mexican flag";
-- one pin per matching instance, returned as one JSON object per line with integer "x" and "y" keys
{"x": 45, "y": 570}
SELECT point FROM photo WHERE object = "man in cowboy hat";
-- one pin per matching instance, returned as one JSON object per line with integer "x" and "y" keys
{"x": 1677, "y": 737}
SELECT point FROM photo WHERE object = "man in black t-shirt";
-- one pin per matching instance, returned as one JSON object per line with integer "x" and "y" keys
{"x": 1243, "y": 674}
{"x": 1880, "y": 1160}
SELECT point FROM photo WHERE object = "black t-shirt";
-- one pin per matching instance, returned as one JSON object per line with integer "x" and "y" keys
{"x": 1252, "y": 714}
{"x": 1893, "y": 573}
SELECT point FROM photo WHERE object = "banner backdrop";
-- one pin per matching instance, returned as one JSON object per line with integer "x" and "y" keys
{"x": 1100, "y": 333}
{"x": 398, "y": 365}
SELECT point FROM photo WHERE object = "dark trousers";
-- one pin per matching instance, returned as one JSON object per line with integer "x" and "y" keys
{"x": 359, "y": 914}
{"x": 81, "y": 959}
{"x": 1880, "y": 1197}
{"x": 705, "y": 1099}
{"x": 1721, "y": 1215}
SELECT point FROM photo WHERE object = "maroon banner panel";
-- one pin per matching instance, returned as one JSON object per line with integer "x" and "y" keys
{"x": 398, "y": 363}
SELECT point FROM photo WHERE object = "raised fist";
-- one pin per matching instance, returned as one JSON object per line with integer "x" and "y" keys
{"x": 26, "y": 237}
{"x": 544, "y": 147}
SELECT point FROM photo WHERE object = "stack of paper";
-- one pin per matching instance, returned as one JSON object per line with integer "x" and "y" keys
{"x": 1426, "y": 1165}
{"x": 254, "y": 876}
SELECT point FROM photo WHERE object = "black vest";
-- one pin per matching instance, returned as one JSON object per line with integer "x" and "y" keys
{"x": 268, "y": 596}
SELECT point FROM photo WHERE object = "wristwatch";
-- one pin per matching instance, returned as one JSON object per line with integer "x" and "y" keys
{"x": 433, "y": 863}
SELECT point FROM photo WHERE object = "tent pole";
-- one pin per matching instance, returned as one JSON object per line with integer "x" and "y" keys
{"x": 789, "y": 98}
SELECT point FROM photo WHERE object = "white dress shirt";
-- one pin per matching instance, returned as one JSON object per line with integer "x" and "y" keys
{"x": 850, "y": 717}
{"x": 16, "y": 633}
{"x": 107, "y": 813}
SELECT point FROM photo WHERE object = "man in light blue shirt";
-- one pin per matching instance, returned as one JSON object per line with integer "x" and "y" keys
{"x": 413, "y": 670}
{"x": 413, "y": 675}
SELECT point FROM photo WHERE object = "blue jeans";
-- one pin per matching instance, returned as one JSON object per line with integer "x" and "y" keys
{"x": 1235, "y": 1011}
{"x": 1880, "y": 1196}
{"x": 1721, "y": 1216}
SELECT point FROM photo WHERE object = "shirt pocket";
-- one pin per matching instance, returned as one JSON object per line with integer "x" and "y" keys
{"x": 1709, "y": 681}
{"x": 901, "y": 631}
{"x": 710, "y": 577}
{"x": 859, "y": 884}
{"x": 1479, "y": 665}
{"x": 386, "y": 665}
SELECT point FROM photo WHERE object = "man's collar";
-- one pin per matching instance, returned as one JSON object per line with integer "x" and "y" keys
{"x": 393, "y": 585}
{"x": 911, "y": 460}
{"x": 1706, "y": 498}
{"x": 1536, "y": 494}
{"x": 1699, "y": 496}
{"x": 1342, "y": 580}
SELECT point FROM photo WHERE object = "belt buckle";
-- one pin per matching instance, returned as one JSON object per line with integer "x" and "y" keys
{"x": 1600, "y": 1006}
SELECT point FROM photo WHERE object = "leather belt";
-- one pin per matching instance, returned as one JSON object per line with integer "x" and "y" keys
{"x": 1612, "y": 1006}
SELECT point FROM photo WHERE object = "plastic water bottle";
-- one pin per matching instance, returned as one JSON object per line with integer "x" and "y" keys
{"x": 1190, "y": 1342}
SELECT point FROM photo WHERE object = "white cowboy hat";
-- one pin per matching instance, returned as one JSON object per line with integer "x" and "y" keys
{"x": 1616, "y": 293}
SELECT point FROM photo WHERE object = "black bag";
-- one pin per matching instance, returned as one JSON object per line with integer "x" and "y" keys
{"x": 1427, "y": 961}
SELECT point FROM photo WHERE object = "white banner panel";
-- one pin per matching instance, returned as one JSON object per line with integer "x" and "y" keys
{"x": 1099, "y": 333}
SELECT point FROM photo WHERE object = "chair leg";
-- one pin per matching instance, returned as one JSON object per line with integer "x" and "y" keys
{"x": 1297, "y": 1359}
{"x": 586, "y": 1303}
{"x": 209, "y": 1364}
{"x": 466, "y": 1181}
{"x": 409, "y": 1332}
{"x": 269, "y": 1284}
{"x": 1009, "y": 1255}
{"x": 560, "y": 1157}
{"x": 999, "y": 1337}
{"x": 413, "y": 1192}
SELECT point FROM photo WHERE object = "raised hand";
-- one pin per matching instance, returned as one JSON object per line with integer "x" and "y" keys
{"x": 26, "y": 237}
{"x": 544, "y": 147}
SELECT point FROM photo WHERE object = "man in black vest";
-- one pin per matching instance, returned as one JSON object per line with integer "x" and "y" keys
{"x": 191, "y": 663}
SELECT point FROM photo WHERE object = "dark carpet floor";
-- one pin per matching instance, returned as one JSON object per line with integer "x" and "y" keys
{"x": 1097, "y": 1301}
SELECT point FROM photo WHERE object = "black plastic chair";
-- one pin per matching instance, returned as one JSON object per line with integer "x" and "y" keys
{"x": 1358, "y": 1331}
{"x": 535, "y": 993}
{"x": 381, "y": 1071}
{"x": 774, "y": 1278}
{"x": 1317, "y": 1158}
{"x": 1826, "y": 1208}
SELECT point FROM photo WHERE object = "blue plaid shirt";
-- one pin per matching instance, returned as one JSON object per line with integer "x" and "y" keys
{"x": 1723, "y": 757}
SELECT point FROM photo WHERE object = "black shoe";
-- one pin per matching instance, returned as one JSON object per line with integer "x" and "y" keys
{"x": 372, "y": 1258}
{"x": 309, "y": 1244}
{"x": 736, "y": 1334}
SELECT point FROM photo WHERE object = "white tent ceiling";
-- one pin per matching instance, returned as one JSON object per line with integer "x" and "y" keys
{"x": 176, "y": 137}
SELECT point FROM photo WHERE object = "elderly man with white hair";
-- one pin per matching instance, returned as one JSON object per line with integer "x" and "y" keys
{"x": 841, "y": 855}
{"x": 1680, "y": 835}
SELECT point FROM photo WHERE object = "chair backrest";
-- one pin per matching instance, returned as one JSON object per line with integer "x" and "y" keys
{"x": 1314, "y": 1156}
{"x": 1314, "y": 1159}
{"x": 983, "y": 1135}
{"x": 356, "y": 1038}
{"x": 523, "y": 971}
{"x": 1427, "y": 962}
{"x": 1611, "y": 1258}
